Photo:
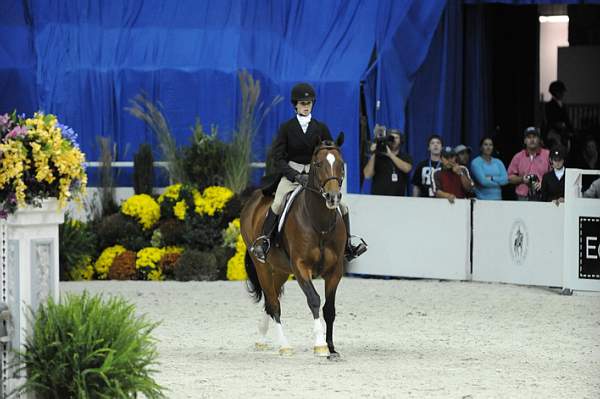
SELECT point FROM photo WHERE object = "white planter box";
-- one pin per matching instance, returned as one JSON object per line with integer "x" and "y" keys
{"x": 29, "y": 273}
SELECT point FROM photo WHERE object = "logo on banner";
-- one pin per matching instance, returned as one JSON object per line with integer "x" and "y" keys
{"x": 519, "y": 241}
{"x": 589, "y": 247}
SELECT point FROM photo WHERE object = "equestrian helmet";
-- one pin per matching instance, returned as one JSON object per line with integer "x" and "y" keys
{"x": 303, "y": 92}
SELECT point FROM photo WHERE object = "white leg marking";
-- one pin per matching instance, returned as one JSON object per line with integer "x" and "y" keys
{"x": 263, "y": 327}
{"x": 319, "y": 333}
{"x": 282, "y": 340}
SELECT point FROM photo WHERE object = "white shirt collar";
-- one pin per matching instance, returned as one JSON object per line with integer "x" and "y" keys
{"x": 304, "y": 121}
{"x": 559, "y": 172}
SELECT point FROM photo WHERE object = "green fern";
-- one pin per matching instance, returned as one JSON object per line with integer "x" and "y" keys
{"x": 89, "y": 348}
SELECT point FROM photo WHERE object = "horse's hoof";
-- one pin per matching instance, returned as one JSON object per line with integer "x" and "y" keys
{"x": 334, "y": 356}
{"x": 261, "y": 346}
{"x": 321, "y": 351}
{"x": 286, "y": 351}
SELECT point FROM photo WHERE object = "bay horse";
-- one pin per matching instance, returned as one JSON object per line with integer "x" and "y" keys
{"x": 311, "y": 244}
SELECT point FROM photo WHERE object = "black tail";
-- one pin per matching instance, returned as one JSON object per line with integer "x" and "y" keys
{"x": 253, "y": 284}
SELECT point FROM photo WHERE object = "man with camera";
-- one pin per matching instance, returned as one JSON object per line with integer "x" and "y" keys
{"x": 388, "y": 166}
{"x": 528, "y": 167}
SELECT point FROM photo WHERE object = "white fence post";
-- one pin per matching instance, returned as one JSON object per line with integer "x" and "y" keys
{"x": 30, "y": 274}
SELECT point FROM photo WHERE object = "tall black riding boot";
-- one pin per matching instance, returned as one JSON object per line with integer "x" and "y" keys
{"x": 260, "y": 247}
{"x": 353, "y": 251}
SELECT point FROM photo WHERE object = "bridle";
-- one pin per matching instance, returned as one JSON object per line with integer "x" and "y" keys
{"x": 320, "y": 189}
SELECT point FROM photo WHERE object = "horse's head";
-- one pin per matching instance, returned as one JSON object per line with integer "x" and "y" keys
{"x": 327, "y": 171}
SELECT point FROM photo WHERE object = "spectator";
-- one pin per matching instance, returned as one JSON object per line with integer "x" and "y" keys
{"x": 594, "y": 190}
{"x": 587, "y": 159}
{"x": 422, "y": 178}
{"x": 389, "y": 169}
{"x": 463, "y": 155}
{"x": 553, "y": 182}
{"x": 489, "y": 173}
{"x": 588, "y": 156}
{"x": 558, "y": 125}
{"x": 453, "y": 180}
{"x": 557, "y": 117}
{"x": 529, "y": 166}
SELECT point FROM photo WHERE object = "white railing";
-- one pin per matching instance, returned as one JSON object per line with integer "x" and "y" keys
{"x": 161, "y": 164}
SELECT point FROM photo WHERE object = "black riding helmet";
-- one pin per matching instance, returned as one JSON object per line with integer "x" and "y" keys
{"x": 303, "y": 92}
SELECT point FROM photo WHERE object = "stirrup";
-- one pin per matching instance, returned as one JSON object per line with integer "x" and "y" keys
{"x": 354, "y": 251}
{"x": 260, "y": 248}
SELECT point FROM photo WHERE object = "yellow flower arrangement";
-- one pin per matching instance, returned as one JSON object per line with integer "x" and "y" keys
{"x": 170, "y": 192}
{"x": 236, "y": 269}
{"x": 148, "y": 262}
{"x": 172, "y": 250}
{"x": 48, "y": 149}
{"x": 83, "y": 271}
{"x": 212, "y": 200}
{"x": 155, "y": 275}
{"x": 105, "y": 260}
{"x": 180, "y": 209}
{"x": 144, "y": 208}
{"x": 231, "y": 233}
{"x": 176, "y": 197}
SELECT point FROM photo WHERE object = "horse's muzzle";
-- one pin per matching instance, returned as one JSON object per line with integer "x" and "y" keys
{"x": 332, "y": 200}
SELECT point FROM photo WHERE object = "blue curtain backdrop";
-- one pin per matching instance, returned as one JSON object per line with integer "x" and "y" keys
{"x": 84, "y": 60}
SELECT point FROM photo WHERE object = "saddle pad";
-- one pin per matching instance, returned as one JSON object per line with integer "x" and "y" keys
{"x": 288, "y": 205}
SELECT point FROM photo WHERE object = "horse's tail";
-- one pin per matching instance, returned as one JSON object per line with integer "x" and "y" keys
{"x": 253, "y": 284}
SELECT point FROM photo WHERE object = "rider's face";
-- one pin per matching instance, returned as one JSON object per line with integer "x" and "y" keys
{"x": 304, "y": 108}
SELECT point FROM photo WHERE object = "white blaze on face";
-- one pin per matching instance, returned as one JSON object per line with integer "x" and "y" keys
{"x": 331, "y": 160}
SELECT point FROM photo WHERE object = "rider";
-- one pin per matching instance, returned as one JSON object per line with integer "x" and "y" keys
{"x": 291, "y": 155}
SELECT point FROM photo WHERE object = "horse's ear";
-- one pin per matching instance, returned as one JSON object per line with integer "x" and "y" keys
{"x": 340, "y": 139}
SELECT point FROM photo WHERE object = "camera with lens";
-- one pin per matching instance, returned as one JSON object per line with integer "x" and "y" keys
{"x": 533, "y": 194}
{"x": 382, "y": 139}
{"x": 532, "y": 179}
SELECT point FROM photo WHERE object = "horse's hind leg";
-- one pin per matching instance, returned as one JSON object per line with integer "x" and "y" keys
{"x": 272, "y": 288}
{"x": 304, "y": 278}
{"x": 279, "y": 280}
{"x": 263, "y": 327}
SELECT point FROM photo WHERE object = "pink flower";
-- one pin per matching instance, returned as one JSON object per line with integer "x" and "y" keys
{"x": 4, "y": 119}
{"x": 18, "y": 131}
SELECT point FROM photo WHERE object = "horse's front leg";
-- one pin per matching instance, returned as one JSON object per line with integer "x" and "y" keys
{"x": 304, "y": 278}
{"x": 331, "y": 283}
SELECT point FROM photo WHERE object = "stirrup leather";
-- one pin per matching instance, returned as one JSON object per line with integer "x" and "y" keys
{"x": 260, "y": 248}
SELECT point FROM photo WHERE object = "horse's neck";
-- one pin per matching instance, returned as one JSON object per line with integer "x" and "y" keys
{"x": 317, "y": 214}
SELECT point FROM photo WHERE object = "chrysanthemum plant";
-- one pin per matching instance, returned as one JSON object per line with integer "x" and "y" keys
{"x": 39, "y": 158}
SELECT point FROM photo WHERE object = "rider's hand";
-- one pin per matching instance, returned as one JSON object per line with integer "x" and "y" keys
{"x": 302, "y": 179}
